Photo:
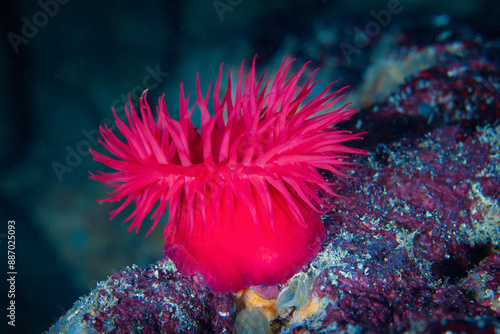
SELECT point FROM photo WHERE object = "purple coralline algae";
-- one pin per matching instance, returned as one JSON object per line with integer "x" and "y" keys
{"x": 154, "y": 300}
{"x": 417, "y": 246}
{"x": 413, "y": 244}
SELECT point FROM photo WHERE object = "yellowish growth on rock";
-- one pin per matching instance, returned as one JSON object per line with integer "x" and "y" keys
{"x": 295, "y": 304}
{"x": 310, "y": 309}
{"x": 249, "y": 298}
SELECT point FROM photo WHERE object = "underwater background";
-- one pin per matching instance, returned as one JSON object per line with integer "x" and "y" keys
{"x": 66, "y": 63}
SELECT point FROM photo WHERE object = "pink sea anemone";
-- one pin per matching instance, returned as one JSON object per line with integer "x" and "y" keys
{"x": 244, "y": 188}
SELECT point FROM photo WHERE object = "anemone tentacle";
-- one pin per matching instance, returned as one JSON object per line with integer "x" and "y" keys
{"x": 260, "y": 135}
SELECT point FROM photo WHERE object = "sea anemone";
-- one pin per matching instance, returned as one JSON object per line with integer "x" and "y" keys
{"x": 243, "y": 189}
